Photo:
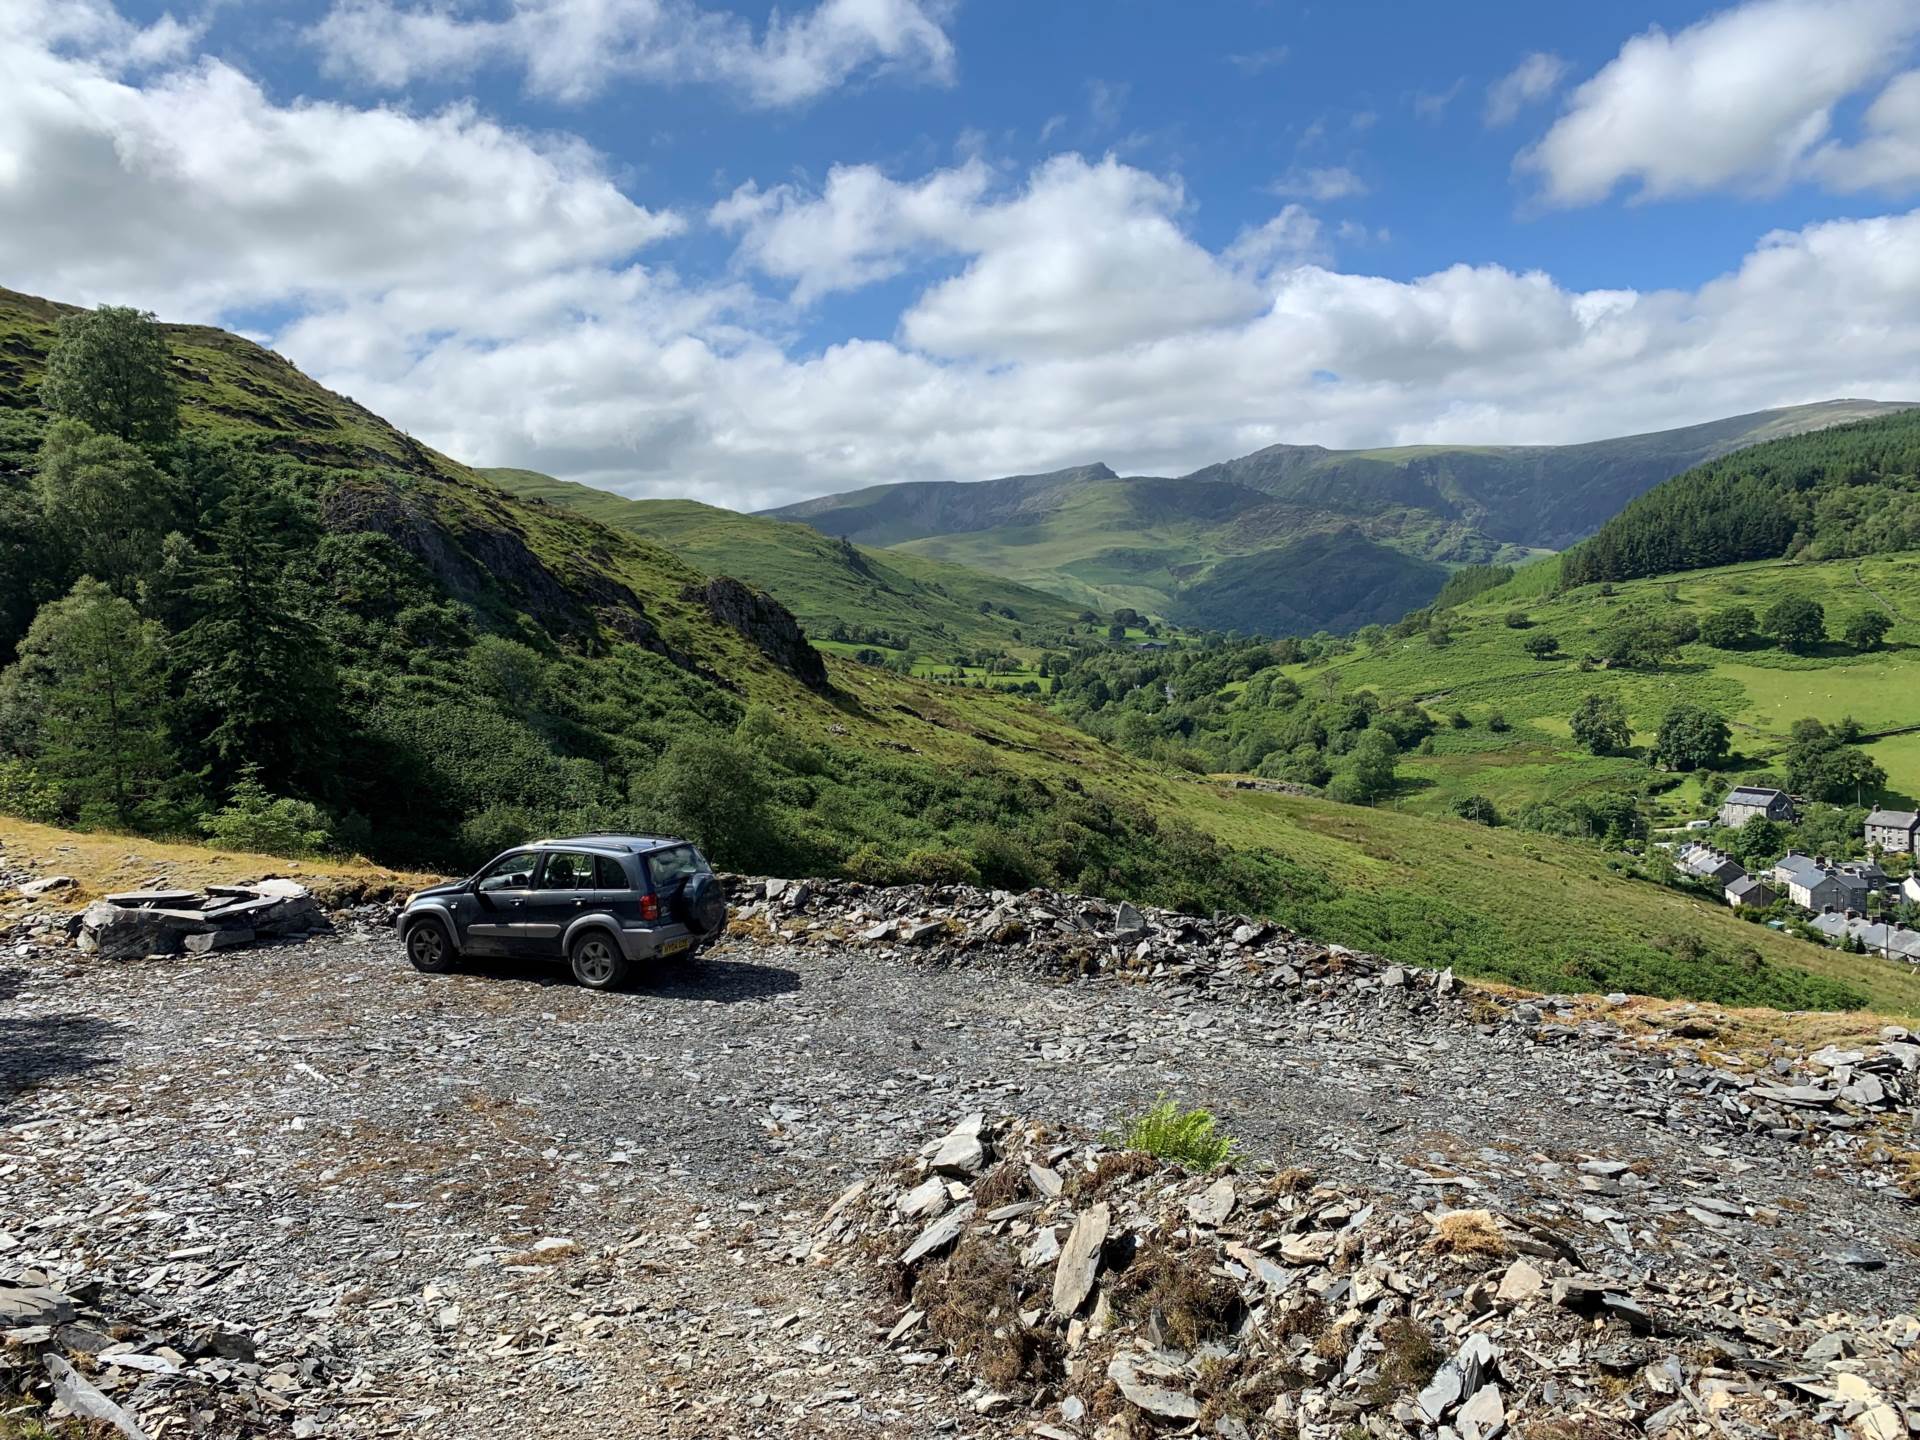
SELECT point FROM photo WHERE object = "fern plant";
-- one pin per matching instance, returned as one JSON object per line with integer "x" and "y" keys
{"x": 1186, "y": 1137}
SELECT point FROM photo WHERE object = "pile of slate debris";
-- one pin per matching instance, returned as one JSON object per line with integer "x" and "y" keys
{"x": 136, "y": 924}
{"x": 1860, "y": 1098}
{"x": 1092, "y": 1292}
{"x": 207, "y": 1372}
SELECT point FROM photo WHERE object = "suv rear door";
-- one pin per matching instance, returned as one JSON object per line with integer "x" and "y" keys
{"x": 569, "y": 885}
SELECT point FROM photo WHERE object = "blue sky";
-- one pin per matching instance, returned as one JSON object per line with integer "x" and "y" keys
{"x": 680, "y": 247}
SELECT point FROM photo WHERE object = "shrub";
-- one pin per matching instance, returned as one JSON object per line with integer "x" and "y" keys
{"x": 1518, "y": 620}
{"x": 1498, "y": 722}
{"x": 253, "y": 819}
{"x": 938, "y": 867}
{"x": 25, "y": 795}
{"x": 1540, "y": 646}
{"x": 1188, "y": 1138}
{"x": 1477, "y": 808}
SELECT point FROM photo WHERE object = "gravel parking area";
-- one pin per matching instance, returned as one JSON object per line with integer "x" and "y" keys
{"x": 494, "y": 1203}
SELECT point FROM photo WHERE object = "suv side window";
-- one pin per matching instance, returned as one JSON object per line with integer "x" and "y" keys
{"x": 608, "y": 874}
{"x": 567, "y": 870}
{"x": 509, "y": 872}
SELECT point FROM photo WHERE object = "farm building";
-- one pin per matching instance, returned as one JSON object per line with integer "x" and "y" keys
{"x": 1743, "y": 802}
{"x": 1893, "y": 831}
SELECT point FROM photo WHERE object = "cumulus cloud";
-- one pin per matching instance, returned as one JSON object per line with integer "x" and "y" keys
{"x": 1744, "y": 99}
{"x": 195, "y": 193}
{"x": 1887, "y": 157}
{"x": 1528, "y": 83}
{"x": 493, "y": 292}
{"x": 1045, "y": 264}
{"x": 573, "y": 49}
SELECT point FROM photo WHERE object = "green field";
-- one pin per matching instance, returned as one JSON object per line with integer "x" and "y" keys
{"x": 1761, "y": 690}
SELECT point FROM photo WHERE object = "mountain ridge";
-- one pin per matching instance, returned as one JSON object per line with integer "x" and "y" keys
{"x": 1398, "y": 515}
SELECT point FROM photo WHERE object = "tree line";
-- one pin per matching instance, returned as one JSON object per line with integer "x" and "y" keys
{"x": 1845, "y": 491}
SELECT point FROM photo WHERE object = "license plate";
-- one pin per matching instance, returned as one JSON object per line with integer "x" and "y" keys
{"x": 674, "y": 947}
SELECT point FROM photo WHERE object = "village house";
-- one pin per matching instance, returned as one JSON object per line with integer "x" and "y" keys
{"x": 1703, "y": 862}
{"x": 1743, "y": 802}
{"x": 1892, "y": 831}
{"x": 1747, "y": 893}
{"x": 1896, "y": 942}
{"x": 1815, "y": 885}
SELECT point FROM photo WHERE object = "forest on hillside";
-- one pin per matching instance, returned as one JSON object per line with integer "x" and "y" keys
{"x": 1847, "y": 491}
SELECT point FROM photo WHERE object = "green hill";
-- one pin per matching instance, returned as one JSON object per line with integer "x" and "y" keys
{"x": 1850, "y": 490}
{"x": 498, "y": 666}
{"x": 843, "y": 593}
{"x": 1290, "y": 539}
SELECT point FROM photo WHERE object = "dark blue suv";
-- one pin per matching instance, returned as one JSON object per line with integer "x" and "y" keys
{"x": 602, "y": 903}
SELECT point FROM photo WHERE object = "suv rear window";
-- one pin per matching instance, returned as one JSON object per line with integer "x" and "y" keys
{"x": 671, "y": 867}
{"x": 567, "y": 870}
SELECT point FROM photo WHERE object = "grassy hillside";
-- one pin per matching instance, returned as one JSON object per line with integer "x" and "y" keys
{"x": 929, "y": 606}
{"x": 644, "y": 702}
{"x": 1761, "y": 689}
{"x": 1291, "y": 539}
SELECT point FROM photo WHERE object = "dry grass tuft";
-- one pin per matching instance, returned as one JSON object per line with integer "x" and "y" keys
{"x": 1469, "y": 1234}
{"x": 1002, "y": 1185}
{"x": 1408, "y": 1359}
{"x": 1291, "y": 1181}
{"x": 1194, "y": 1304}
{"x": 1115, "y": 1167}
{"x": 973, "y": 1308}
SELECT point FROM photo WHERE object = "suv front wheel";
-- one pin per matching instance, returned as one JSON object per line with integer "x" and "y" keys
{"x": 430, "y": 949}
{"x": 596, "y": 961}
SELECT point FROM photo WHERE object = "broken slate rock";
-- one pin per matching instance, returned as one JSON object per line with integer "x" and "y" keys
{"x": 1080, "y": 1260}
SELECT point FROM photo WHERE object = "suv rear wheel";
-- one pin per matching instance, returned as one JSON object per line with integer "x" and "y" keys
{"x": 430, "y": 949}
{"x": 596, "y": 961}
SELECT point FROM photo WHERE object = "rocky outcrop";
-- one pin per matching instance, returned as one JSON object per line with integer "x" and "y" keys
{"x": 767, "y": 623}
{"x": 1091, "y": 1291}
{"x": 139, "y": 923}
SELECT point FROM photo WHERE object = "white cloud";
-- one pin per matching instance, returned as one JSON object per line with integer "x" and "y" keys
{"x": 194, "y": 193}
{"x": 1431, "y": 105}
{"x": 1887, "y": 157}
{"x": 483, "y": 288}
{"x": 1322, "y": 184}
{"x": 1528, "y": 83}
{"x": 573, "y": 49}
{"x": 862, "y": 227}
{"x": 1045, "y": 265}
{"x": 1742, "y": 99}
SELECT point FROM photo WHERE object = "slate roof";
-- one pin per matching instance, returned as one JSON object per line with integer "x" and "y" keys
{"x": 1751, "y": 795}
{"x": 1899, "y": 819}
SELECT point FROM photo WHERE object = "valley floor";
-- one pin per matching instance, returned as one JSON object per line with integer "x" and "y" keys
{"x": 493, "y": 1203}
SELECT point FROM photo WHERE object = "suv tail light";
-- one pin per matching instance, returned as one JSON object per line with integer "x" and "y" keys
{"x": 649, "y": 907}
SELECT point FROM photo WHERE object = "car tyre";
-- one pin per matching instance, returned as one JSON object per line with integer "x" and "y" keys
{"x": 596, "y": 961}
{"x": 430, "y": 948}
